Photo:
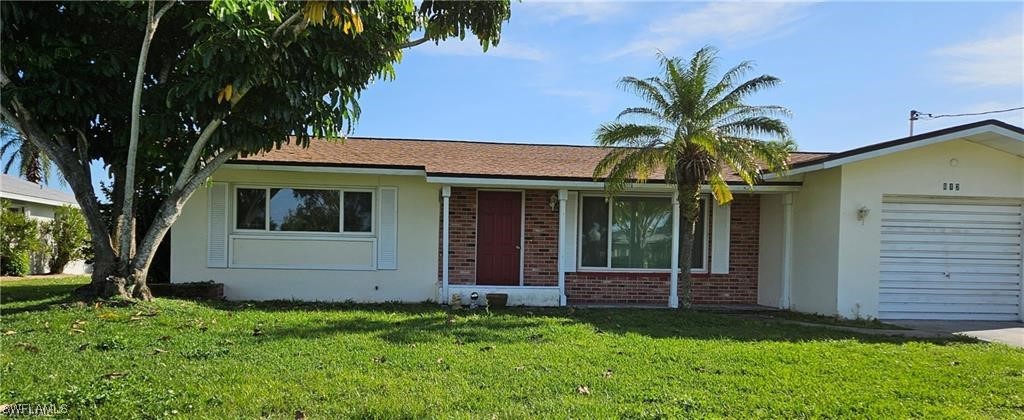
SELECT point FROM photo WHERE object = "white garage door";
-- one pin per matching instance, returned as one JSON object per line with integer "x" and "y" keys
{"x": 950, "y": 259}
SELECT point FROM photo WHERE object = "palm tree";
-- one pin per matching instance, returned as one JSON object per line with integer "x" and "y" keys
{"x": 33, "y": 164}
{"x": 692, "y": 129}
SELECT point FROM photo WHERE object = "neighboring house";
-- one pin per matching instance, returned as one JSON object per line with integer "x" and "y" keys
{"x": 38, "y": 202}
{"x": 927, "y": 226}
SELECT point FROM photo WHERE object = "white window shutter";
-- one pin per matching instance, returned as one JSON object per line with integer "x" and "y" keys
{"x": 217, "y": 235}
{"x": 721, "y": 223}
{"x": 387, "y": 235}
{"x": 571, "y": 211}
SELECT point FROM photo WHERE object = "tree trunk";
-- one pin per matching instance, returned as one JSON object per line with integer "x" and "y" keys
{"x": 689, "y": 208}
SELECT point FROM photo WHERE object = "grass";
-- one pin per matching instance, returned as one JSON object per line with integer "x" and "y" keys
{"x": 873, "y": 323}
{"x": 242, "y": 360}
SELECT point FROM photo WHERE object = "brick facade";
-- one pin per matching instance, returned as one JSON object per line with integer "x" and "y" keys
{"x": 737, "y": 287}
{"x": 540, "y": 257}
{"x": 461, "y": 236}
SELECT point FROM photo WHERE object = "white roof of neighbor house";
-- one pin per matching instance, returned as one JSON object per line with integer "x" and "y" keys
{"x": 14, "y": 188}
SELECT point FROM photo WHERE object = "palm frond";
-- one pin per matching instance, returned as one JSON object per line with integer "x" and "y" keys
{"x": 719, "y": 188}
{"x": 619, "y": 134}
{"x": 756, "y": 126}
{"x": 646, "y": 90}
{"x": 642, "y": 111}
{"x": 735, "y": 97}
{"x": 623, "y": 166}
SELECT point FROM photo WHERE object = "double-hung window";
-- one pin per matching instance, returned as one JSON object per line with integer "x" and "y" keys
{"x": 633, "y": 233}
{"x": 303, "y": 210}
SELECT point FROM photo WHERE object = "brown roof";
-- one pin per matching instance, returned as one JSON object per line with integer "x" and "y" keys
{"x": 455, "y": 158}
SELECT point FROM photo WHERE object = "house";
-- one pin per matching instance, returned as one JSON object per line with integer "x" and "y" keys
{"x": 927, "y": 226}
{"x": 38, "y": 202}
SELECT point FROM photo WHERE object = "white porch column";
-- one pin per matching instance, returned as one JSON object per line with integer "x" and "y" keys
{"x": 446, "y": 193}
{"x": 787, "y": 249}
{"x": 673, "y": 289}
{"x": 563, "y": 195}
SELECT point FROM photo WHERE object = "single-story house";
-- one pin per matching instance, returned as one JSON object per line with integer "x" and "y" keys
{"x": 38, "y": 202}
{"x": 927, "y": 226}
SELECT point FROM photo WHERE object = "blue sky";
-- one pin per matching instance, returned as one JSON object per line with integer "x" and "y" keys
{"x": 852, "y": 71}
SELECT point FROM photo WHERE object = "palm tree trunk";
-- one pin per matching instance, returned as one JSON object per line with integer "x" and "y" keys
{"x": 689, "y": 208}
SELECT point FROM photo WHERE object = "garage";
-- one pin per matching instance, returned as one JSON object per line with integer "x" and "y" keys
{"x": 944, "y": 258}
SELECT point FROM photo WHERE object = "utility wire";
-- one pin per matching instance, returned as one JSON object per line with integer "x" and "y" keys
{"x": 917, "y": 115}
{"x": 914, "y": 115}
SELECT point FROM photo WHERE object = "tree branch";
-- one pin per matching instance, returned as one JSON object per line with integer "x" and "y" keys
{"x": 291, "y": 19}
{"x": 171, "y": 208}
{"x": 125, "y": 228}
{"x": 412, "y": 43}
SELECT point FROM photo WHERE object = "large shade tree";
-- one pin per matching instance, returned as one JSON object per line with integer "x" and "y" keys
{"x": 164, "y": 92}
{"x": 691, "y": 128}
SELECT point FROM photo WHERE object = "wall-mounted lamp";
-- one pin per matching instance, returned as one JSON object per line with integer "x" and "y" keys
{"x": 862, "y": 213}
{"x": 553, "y": 202}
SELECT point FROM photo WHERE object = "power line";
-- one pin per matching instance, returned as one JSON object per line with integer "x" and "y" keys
{"x": 917, "y": 115}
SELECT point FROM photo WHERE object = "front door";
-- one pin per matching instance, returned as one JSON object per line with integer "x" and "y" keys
{"x": 499, "y": 218}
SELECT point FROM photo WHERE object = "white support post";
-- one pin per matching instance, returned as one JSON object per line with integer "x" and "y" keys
{"x": 673, "y": 290}
{"x": 787, "y": 249}
{"x": 446, "y": 193}
{"x": 563, "y": 195}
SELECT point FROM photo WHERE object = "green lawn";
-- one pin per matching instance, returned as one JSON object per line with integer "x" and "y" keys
{"x": 244, "y": 360}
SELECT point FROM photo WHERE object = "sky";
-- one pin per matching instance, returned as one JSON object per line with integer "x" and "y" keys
{"x": 852, "y": 71}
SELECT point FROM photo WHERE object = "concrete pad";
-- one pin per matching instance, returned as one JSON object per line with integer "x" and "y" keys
{"x": 1006, "y": 332}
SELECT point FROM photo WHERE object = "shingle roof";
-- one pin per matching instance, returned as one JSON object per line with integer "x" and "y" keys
{"x": 455, "y": 158}
{"x": 12, "y": 185}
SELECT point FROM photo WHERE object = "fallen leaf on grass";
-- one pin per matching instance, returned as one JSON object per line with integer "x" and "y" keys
{"x": 300, "y": 415}
{"x": 520, "y": 368}
{"x": 487, "y": 348}
{"x": 583, "y": 390}
{"x": 440, "y": 360}
{"x": 159, "y": 350}
{"x": 114, "y": 375}
{"x": 607, "y": 373}
{"x": 76, "y": 330}
{"x": 108, "y": 316}
{"x": 380, "y": 359}
{"x": 9, "y": 332}
{"x": 83, "y": 347}
{"x": 256, "y": 332}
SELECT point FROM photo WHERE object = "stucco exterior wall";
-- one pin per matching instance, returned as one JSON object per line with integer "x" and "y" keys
{"x": 414, "y": 280}
{"x": 770, "y": 251}
{"x": 816, "y": 243}
{"x": 981, "y": 172}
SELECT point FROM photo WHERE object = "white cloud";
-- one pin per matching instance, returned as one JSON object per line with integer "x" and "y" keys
{"x": 588, "y": 11}
{"x": 725, "y": 21}
{"x": 595, "y": 102}
{"x": 471, "y": 48}
{"x": 992, "y": 61}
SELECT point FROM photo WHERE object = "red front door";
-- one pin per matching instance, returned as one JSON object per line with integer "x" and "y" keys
{"x": 499, "y": 217}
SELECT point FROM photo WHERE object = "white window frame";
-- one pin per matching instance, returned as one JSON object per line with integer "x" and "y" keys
{"x": 286, "y": 233}
{"x": 607, "y": 267}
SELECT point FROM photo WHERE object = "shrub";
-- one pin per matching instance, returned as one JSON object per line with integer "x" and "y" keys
{"x": 19, "y": 236}
{"x": 67, "y": 237}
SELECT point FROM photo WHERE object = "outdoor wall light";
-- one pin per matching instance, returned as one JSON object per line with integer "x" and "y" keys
{"x": 862, "y": 213}
{"x": 553, "y": 202}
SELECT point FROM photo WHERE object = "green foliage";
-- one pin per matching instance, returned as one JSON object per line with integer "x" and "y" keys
{"x": 693, "y": 128}
{"x": 19, "y": 236}
{"x": 72, "y": 64}
{"x": 67, "y": 237}
{"x": 205, "y": 360}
